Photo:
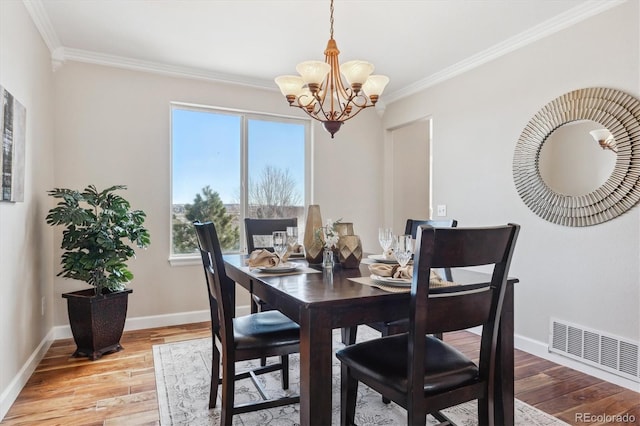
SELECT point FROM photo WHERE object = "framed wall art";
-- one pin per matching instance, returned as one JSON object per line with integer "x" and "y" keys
{"x": 12, "y": 130}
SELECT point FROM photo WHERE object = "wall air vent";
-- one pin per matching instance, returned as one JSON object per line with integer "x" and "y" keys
{"x": 605, "y": 351}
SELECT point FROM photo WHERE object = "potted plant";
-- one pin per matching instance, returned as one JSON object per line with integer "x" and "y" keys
{"x": 100, "y": 230}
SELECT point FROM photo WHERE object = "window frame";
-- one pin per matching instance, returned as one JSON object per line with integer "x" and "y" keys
{"x": 245, "y": 116}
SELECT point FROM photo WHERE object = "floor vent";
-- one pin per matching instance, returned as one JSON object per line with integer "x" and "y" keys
{"x": 607, "y": 352}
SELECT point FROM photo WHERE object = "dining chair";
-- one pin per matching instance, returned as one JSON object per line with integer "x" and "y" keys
{"x": 411, "y": 227}
{"x": 253, "y": 336}
{"x": 422, "y": 373}
{"x": 259, "y": 233}
{"x": 387, "y": 328}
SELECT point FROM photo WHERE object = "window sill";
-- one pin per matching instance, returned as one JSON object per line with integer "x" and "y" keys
{"x": 188, "y": 260}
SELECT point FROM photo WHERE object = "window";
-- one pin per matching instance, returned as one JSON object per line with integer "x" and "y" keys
{"x": 228, "y": 165}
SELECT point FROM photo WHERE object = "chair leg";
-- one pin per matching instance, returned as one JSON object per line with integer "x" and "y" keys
{"x": 417, "y": 414}
{"x": 284, "y": 360}
{"x": 215, "y": 377}
{"x": 228, "y": 390}
{"x": 349, "y": 335}
{"x": 387, "y": 331}
{"x": 483, "y": 412}
{"x": 348, "y": 394}
{"x": 255, "y": 308}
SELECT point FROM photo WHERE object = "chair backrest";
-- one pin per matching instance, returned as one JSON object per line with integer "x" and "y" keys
{"x": 221, "y": 288}
{"x": 259, "y": 231}
{"x": 412, "y": 228}
{"x": 412, "y": 225}
{"x": 453, "y": 248}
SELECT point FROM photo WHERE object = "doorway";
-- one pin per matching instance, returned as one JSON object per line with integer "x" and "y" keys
{"x": 411, "y": 188}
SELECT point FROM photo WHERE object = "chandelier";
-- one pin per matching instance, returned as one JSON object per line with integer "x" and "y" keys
{"x": 320, "y": 92}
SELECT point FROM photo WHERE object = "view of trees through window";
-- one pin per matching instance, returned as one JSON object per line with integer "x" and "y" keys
{"x": 227, "y": 166}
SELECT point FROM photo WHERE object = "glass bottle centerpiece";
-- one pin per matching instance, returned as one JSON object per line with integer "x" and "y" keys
{"x": 330, "y": 238}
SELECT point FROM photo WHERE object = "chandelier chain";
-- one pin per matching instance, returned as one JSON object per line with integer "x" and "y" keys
{"x": 331, "y": 20}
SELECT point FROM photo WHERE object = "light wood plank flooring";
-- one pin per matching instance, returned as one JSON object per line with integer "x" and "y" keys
{"x": 120, "y": 388}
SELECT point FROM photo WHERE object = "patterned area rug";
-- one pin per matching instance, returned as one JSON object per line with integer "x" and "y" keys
{"x": 183, "y": 374}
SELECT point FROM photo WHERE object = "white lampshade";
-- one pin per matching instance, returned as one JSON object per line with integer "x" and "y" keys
{"x": 356, "y": 72}
{"x": 313, "y": 72}
{"x": 290, "y": 84}
{"x": 375, "y": 85}
{"x": 600, "y": 134}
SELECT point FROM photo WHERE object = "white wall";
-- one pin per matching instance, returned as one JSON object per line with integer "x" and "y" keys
{"x": 26, "y": 262}
{"x": 590, "y": 275}
{"x": 113, "y": 128}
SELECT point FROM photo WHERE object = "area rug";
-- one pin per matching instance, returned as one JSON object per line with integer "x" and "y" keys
{"x": 183, "y": 374}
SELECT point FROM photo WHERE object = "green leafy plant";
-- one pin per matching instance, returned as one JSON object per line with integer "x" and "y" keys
{"x": 100, "y": 229}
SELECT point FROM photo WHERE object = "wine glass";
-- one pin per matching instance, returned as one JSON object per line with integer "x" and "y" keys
{"x": 280, "y": 243}
{"x": 385, "y": 237}
{"x": 403, "y": 249}
{"x": 292, "y": 237}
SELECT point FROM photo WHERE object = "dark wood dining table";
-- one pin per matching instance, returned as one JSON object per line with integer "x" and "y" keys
{"x": 326, "y": 300}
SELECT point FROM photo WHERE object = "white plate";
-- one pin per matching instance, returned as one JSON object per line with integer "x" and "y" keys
{"x": 284, "y": 267}
{"x": 398, "y": 282}
{"x": 381, "y": 258}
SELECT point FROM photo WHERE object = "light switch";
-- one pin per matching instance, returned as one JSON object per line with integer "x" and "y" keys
{"x": 442, "y": 210}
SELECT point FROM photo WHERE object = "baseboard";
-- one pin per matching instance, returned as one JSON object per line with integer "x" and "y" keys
{"x": 12, "y": 391}
{"x": 541, "y": 350}
{"x": 153, "y": 321}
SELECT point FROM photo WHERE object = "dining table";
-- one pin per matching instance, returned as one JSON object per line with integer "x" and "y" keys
{"x": 321, "y": 300}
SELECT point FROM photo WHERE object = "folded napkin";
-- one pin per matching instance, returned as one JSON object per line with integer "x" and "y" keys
{"x": 397, "y": 271}
{"x": 264, "y": 258}
{"x": 394, "y": 271}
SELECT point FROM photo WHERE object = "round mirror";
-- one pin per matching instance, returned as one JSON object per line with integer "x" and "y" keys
{"x": 617, "y": 116}
{"x": 572, "y": 162}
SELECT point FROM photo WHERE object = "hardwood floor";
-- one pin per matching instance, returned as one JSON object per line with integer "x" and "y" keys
{"x": 120, "y": 388}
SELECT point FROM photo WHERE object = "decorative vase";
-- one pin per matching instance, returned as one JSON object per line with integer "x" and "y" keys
{"x": 349, "y": 251}
{"x": 313, "y": 246}
{"x": 344, "y": 228}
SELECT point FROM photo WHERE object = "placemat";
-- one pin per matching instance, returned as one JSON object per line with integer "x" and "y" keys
{"x": 300, "y": 270}
{"x": 395, "y": 289}
{"x": 392, "y": 289}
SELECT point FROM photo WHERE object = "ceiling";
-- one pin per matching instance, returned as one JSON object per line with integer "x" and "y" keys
{"x": 416, "y": 43}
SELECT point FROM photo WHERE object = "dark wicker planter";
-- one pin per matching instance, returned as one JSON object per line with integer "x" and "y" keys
{"x": 97, "y": 322}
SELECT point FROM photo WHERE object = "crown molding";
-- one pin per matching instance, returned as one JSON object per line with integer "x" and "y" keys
{"x": 60, "y": 54}
{"x": 40, "y": 18}
{"x": 565, "y": 20}
{"x": 86, "y": 56}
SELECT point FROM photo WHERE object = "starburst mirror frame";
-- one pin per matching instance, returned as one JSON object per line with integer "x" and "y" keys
{"x": 615, "y": 110}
